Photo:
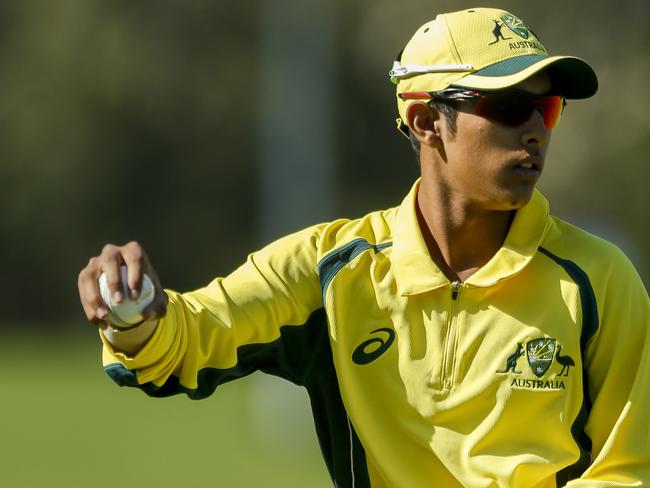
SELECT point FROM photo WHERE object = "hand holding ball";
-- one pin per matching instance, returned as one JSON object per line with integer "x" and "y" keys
{"x": 128, "y": 312}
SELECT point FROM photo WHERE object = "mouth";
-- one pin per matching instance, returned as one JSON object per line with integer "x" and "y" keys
{"x": 530, "y": 168}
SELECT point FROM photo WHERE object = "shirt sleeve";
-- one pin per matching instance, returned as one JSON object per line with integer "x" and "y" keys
{"x": 618, "y": 372}
{"x": 261, "y": 316}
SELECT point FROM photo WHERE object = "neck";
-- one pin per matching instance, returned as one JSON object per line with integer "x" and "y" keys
{"x": 461, "y": 237}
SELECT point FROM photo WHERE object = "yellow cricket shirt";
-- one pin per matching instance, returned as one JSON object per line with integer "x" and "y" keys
{"x": 535, "y": 372}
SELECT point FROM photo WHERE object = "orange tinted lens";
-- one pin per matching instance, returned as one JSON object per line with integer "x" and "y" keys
{"x": 551, "y": 109}
{"x": 515, "y": 109}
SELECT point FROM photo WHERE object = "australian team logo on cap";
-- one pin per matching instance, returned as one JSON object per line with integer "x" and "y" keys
{"x": 518, "y": 27}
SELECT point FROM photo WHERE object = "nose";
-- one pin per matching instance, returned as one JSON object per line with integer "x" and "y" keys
{"x": 535, "y": 135}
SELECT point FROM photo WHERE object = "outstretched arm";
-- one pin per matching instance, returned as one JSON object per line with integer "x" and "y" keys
{"x": 231, "y": 327}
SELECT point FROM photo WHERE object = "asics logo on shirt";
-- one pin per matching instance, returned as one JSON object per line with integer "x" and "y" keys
{"x": 369, "y": 350}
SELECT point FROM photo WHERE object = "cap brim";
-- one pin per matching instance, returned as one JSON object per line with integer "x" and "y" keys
{"x": 571, "y": 77}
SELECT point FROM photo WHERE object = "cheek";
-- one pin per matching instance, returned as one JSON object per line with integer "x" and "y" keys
{"x": 473, "y": 131}
{"x": 476, "y": 141}
{"x": 483, "y": 140}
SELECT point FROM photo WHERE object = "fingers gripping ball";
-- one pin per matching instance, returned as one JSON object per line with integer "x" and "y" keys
{"x": 128, "y": 312}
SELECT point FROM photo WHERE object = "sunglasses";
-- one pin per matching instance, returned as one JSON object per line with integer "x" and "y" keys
{"x": 511, "y": 108}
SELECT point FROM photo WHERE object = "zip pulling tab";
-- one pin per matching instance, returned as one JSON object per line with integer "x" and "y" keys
{"x": 455, "y": 289}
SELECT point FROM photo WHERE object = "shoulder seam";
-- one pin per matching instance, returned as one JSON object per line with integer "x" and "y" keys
{"x": 587, "y": 295}
{"x": 334, "y": 261}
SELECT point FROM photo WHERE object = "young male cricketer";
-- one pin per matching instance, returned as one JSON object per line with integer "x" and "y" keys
{"x": 463, "y": 338}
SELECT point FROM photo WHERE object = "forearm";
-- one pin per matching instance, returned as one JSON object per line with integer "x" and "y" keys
{"x": 203, "y": 338}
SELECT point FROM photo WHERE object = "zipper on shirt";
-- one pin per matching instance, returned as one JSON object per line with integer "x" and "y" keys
{"x": 452, "y": 333}
{"x": 455, "y": 289}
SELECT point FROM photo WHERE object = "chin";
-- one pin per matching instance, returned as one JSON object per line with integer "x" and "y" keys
{"x": 513, "y": 200}
{"x": 516, "y": 202}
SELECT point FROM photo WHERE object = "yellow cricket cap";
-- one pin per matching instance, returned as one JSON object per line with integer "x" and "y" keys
{"x": 483, "y": 49}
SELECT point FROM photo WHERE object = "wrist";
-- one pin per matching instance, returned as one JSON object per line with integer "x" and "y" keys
{"x": 132, "y": 339}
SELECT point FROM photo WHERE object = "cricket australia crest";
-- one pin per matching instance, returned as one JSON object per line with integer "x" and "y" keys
{"x": 540, "y": 353}
{"x": 516, "y": 25}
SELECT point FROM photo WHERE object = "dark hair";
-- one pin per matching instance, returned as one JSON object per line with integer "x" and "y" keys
{"x": 448, "y": 110}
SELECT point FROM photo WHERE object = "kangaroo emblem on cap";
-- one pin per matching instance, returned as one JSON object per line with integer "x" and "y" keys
{"x": 498, "y": 35}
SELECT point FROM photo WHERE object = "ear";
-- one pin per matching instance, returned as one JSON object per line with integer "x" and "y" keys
{"x": 424, "y": 122}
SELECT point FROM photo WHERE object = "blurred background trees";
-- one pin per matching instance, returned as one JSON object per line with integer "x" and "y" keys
{"x": 132, "y": 120}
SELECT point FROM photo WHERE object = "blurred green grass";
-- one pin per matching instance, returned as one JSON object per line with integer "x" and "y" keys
{"x": 65, "y": 423}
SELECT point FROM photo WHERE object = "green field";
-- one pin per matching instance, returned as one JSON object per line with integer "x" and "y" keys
{"x": 64, "y": 423}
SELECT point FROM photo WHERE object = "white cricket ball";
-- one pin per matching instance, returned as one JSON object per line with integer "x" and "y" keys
{"x": 128, "y": 312}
